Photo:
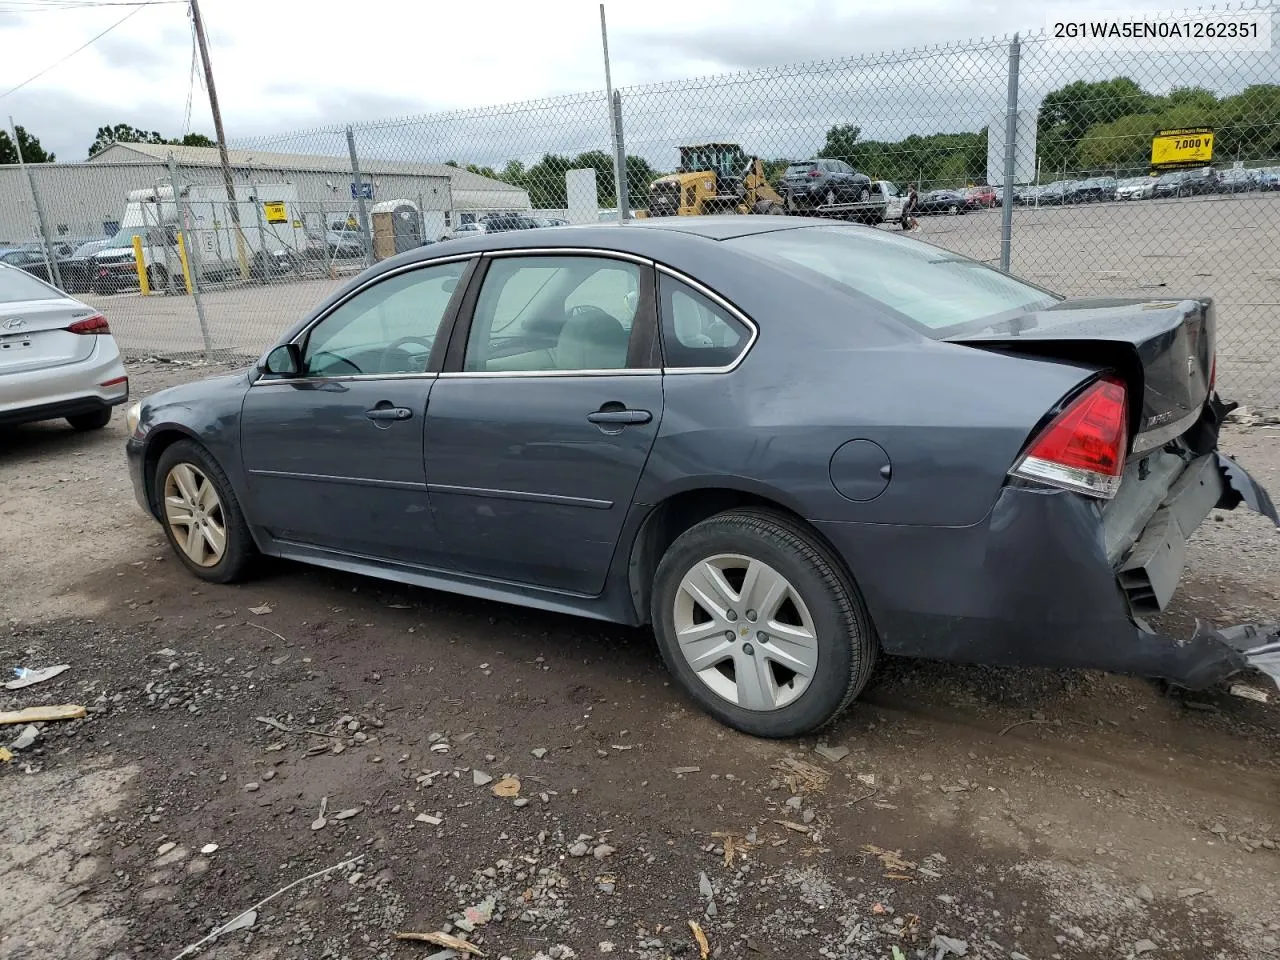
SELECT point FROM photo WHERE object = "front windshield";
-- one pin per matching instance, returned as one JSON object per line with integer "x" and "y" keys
{"x": 940, "y": 293}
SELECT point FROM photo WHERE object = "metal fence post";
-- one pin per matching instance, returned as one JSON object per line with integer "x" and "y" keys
{"x": 623, "y": 189}
{"x": 193, "y": 258}
{"x": 366, "y": 235}
{"x": 614, "y": 105}
{"x": 50, "y": 257}
{"x": 1010, "y": 155}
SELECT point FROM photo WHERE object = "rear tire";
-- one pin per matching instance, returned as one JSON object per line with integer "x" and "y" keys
{"x": 84, "y": 422}
{"x": 811, "y": 617}
{"x": 200, "y": 514}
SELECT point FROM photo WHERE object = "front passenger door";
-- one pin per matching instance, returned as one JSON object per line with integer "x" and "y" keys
{"x": 334, "y": 456}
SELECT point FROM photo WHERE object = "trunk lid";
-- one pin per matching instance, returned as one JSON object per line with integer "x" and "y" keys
{"x": 34, "y": 335}
{"x": 1164, "y": 349}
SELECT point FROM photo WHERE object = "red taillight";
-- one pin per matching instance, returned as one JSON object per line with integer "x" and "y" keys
{"x": 115, "y": 382}
{"x": 97, "y": 324}
{"x": 1083, "y": 449}
{"x": 815, "y": 173}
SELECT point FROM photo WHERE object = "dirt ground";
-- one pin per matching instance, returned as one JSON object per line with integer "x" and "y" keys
{"x": 977, "y": 812}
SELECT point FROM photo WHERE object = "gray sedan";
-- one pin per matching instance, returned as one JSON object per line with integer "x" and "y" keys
{"x": 786, "y": 444}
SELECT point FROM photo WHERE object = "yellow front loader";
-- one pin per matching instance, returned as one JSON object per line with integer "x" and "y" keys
{"x": 713, "y": 178}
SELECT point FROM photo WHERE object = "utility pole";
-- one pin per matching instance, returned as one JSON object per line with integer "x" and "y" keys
{"x": 227, "y": 177}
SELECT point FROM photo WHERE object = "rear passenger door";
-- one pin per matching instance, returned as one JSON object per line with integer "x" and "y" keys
{"x": 540, "y": 425}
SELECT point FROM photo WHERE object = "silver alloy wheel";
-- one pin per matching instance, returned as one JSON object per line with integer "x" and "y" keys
{"x": 831, "y": 198}
{"x": 193, "y": 511}
{"x": 745, "y": 631}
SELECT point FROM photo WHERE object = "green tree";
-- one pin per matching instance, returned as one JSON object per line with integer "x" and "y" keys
{"x": 124, "y": 133}
{"x": 842, "y": 143}
{"x": 1067, "y": 113}
{"x": 32, "y": 152}
{"x": 1247, "y": 125}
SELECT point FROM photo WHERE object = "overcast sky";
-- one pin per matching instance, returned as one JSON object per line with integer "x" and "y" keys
{"x": 284, "y": 65}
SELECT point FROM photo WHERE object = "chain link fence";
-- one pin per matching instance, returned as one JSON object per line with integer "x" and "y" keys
{"x": 1029, "y": 154}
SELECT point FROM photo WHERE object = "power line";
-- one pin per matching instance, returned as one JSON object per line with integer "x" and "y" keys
{"x": 30, "y": 6}
{"x": 88, "y": 43}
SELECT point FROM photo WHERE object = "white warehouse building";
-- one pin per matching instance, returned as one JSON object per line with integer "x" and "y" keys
{"x": 87, "y": 200}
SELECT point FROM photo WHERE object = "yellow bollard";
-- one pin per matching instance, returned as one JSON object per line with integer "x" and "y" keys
{"x": 143, "y": 283}
{"x": 186, "y": 267}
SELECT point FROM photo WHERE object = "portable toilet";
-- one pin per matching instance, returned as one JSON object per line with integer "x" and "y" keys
{"x": 396, "y": 226}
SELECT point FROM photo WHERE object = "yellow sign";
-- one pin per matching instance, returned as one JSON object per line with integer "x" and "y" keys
{"x": 275, "y": 212}
{"x": 1190, "y": 146}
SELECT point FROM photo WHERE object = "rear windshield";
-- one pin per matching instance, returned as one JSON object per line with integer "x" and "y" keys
{"x": 800, "y": 168}
{"x": 940, "y": 293}
{"x": 16, "y": 285}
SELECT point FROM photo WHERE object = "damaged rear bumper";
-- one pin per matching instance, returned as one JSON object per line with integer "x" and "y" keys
{"x": 1037, "y": 583}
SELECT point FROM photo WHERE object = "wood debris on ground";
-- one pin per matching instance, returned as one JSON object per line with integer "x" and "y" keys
{"x": 442, "y": 940}
{"x": 62, "y": 711}
{"x": 892, "y": 861}
{"x": 801, "y": 776}
{"x": 704, "y": 948}
{"x": 734, "y": 846}
{"x": 791, "y": 825}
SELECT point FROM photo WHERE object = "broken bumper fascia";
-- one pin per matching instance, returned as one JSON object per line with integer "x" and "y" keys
{"x": 1032, "y": 585}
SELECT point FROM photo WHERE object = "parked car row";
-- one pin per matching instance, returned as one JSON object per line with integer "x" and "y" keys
{"x": 1175, "y": 183}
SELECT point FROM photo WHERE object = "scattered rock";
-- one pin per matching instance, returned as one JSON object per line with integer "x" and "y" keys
{"x": 521, "y": 801}
{"x": 579, "y": 849}
{"x": 704, "y": 887}
{"x": 208, "y": 848}
{"x": 604, "y": 851}
{"x": 680, "y": 771}
{"x": 251, "y": 787}
{"x": 1188, "y": 892}
{"x": 1143, "y": 946}
{"x": 1144, "y": 894}
{"x": 948, "y": 945}
{"x": 165, "y": 848}
{"x": 242, "y": 922}
{"x": 268, "y": 775}
{"x": 26, "y": 738}
{"x": 539, "y": 752}
{"x": 427, "y": 818}
{"x": 480, "y": 778}
{"x": 347, "y": 814}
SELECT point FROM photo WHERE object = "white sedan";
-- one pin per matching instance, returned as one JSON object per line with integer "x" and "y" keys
{"x": 57, "y": 356}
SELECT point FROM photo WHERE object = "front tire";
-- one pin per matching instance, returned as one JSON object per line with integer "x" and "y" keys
{"x": 761, "y": 626}
{"x": 200, "y": 513}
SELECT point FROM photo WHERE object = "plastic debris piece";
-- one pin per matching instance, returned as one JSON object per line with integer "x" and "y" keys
{"x": 28, "y": 678}
{"x": 5, "y": 755}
